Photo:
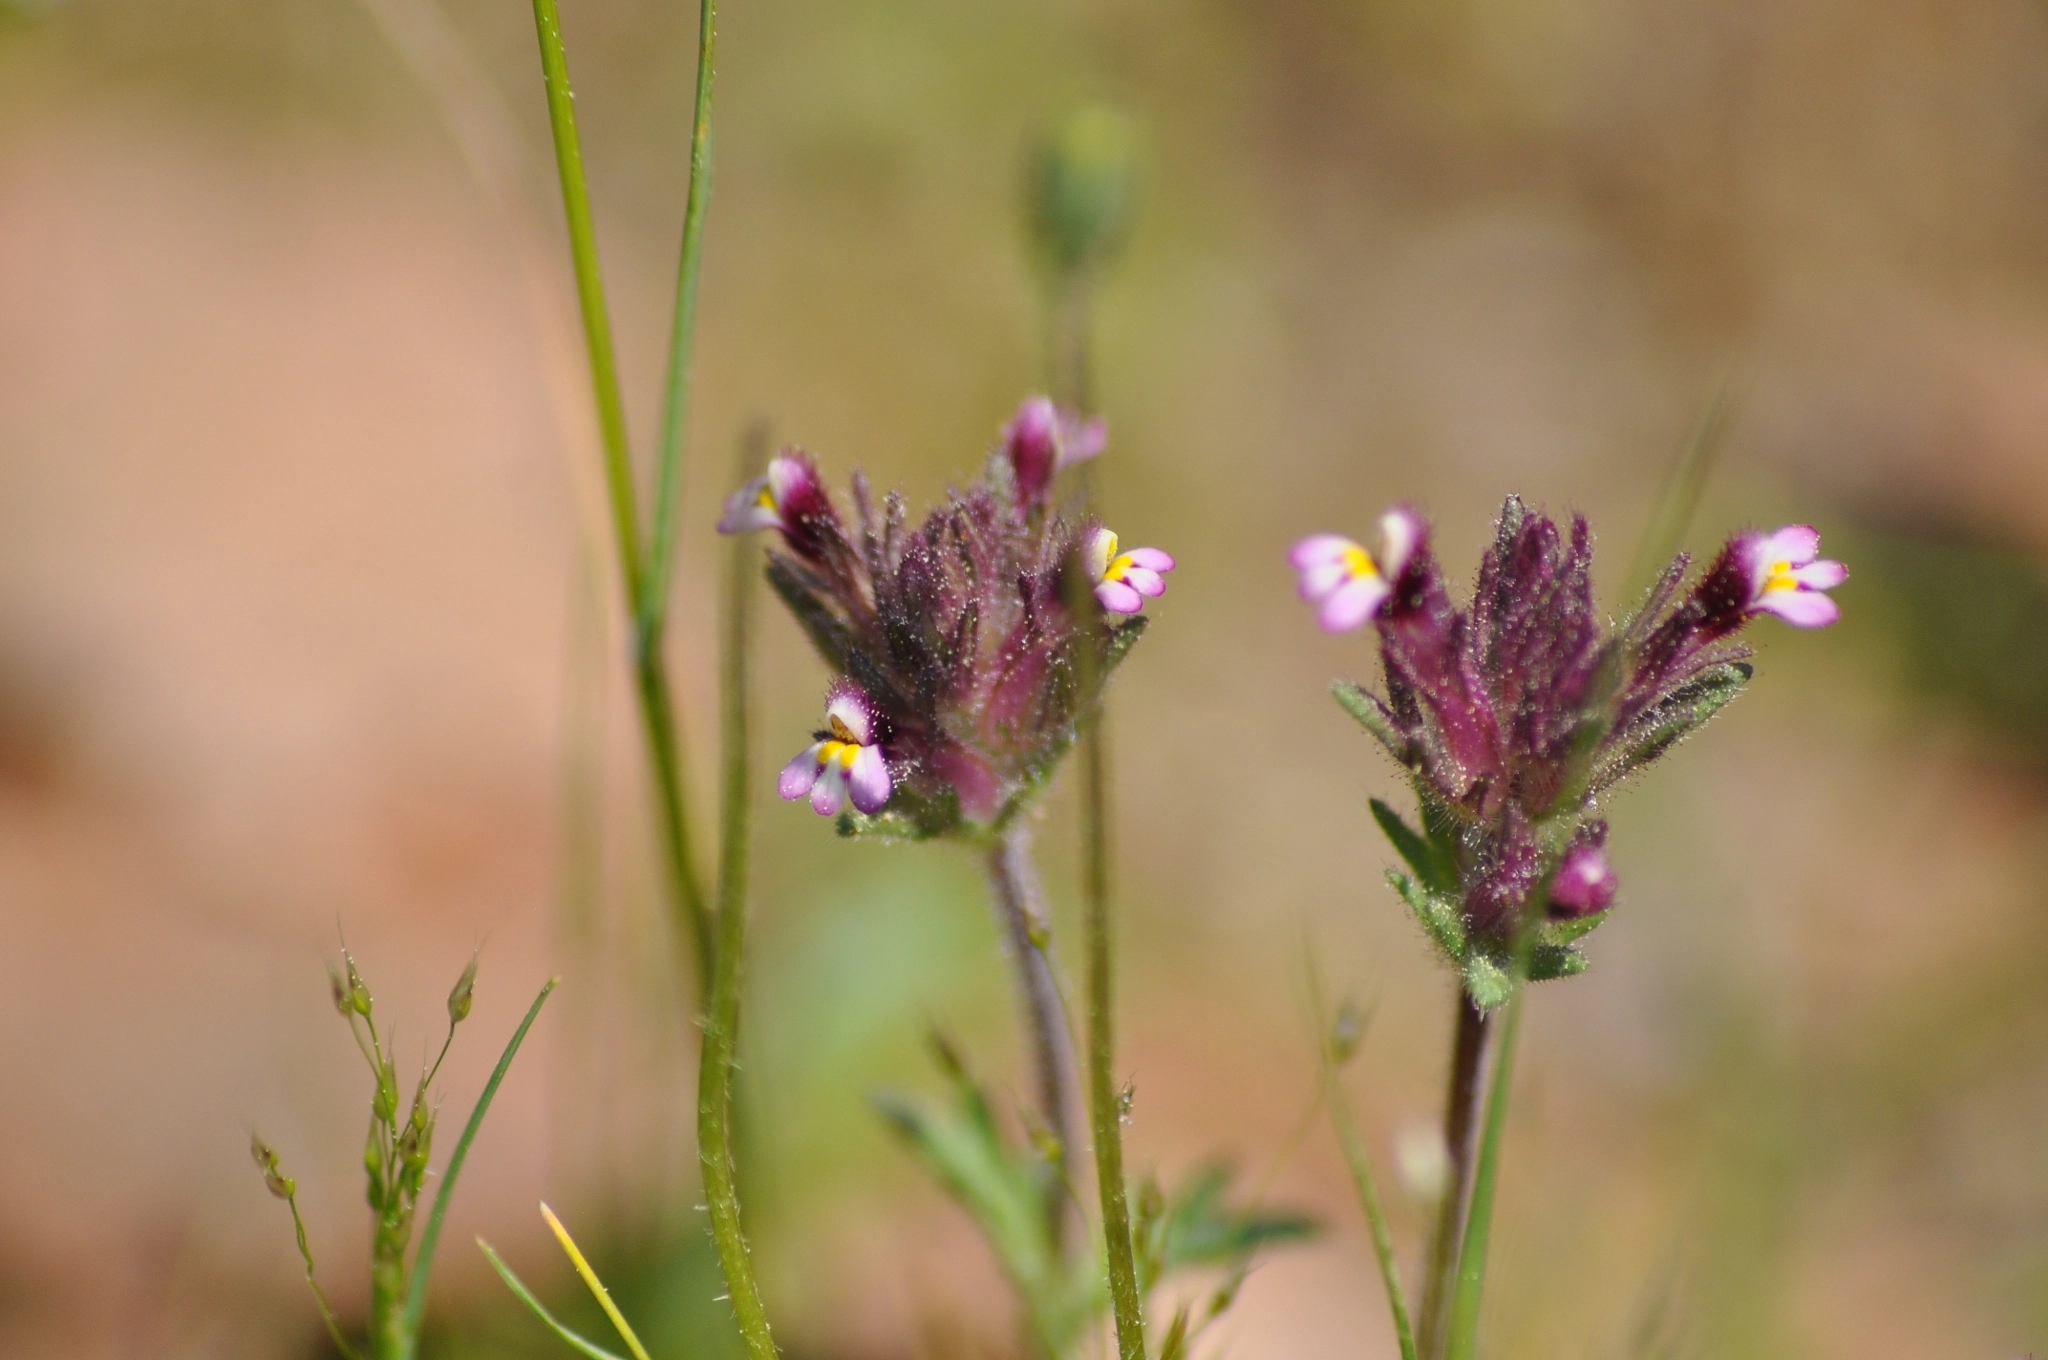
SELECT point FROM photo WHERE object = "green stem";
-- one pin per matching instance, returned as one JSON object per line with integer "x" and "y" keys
{"x": 597, "y": 326}
{"x": 423, "y": 1263}
{"x": 1469, "y": 1051}
{"x": 1105, "y": 1104}
{"x": 1375, "y": 1212}
{"x": 658, "y": 717}
{"x": 682, "y": 340}
{"x": 721, "y": 1020}
{"x": 334, "y": 1331}
{"x": 1464, "y": 1335}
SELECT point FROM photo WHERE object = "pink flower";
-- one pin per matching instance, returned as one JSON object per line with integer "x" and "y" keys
{"x": 1787, "y": 575}
{"x": 1043, "y": 440}
{"x": 1347, "y": 584}
{"x": 846, "y": 759}
{"x": 1584, "y": 883}
{"x": 1123, "y": 580}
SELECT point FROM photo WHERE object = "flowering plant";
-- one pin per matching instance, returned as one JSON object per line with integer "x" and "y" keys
{"x": 958, "y": 644}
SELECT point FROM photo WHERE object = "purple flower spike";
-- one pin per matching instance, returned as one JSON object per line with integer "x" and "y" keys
{"x": 1584, "y": 883}
{"x": 1123, "y": 580}
{"x": 1042, "y": 440}
{"x": 845, "y": 760}
{"x": 1347, "y": 584}
{"x": 1787, "y": 576}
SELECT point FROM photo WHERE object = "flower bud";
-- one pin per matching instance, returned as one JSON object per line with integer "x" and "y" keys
{"x": 464, "y": 995}
{"x": 1584, "y": 883}
{"x": 265, "y": 1158}
{"x": 385, "y": 1104}
{"x": 358, "y": 990}
{"x": 1082, "y": 185}
{"x": 340, "y": 989}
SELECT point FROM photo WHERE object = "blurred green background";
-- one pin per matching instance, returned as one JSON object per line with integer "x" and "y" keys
{"x": 305, "y": 628}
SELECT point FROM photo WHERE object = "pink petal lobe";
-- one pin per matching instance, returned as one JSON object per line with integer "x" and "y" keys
{"x": 1825, "y": 574}
{"x": 1319, "y": 548}
{"x": 1802, "y": 608}
{"x": 1147, "y": 583}
{"x": 868, "y": 780}
{"x": 1353, "y": 604}
{"x": 1119, "y": 598}
{"x": 1319, "y": 580}
{"x": 1151, "y": 559}
{"x": 1400, "y": 531}
{"x": 850, "y": 707}
{"x": 828, "y": 795}
{"x": 797, "y": 777}
{"x": 744, "y": 512}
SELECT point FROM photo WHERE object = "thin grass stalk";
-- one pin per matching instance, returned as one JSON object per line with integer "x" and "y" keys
{"x": 675, "y": 413}
{"x": 1464, "y": 1330}
{"x": 1469, "y": 1053}
{"x": 1360, "y": 1165}
{"x": 1020, "y": 908}
{"x": 1683, "y": 485}
{"x": 721, "y": 1020}
{"x": 663, "y": 731}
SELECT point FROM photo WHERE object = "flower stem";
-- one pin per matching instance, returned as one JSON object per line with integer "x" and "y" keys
{"x": 722, "y": 1014}
{"x": 1464, "y": 1328}
{"x": 1469, "y": 1053}
{"x": 1020, "y": 905}
{"x": 1105, "y": 1104}
{"x": 663, "y": 730}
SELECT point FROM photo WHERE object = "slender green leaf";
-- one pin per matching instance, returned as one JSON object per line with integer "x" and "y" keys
{"x": 588, "y": 1349}
{"x": 1486, "y": 982}
{"x": 423, "y": 1264}
{"x": 1374, "y": 718}
{"x": 1438, "y": 916}
{"x": 1422, "y": 856}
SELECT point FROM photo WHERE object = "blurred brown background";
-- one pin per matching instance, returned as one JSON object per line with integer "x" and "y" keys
{"x": 306, "y": 631}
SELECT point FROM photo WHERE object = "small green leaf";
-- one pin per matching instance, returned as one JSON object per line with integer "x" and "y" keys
{"x": 590, "y": 1350}
{"x": 1122, "y": 637}
{"x": 1671, "y": 722}
{"x": 1422, "y": 857}
{"x": 1566, "y": 932}
{"x": 1437, "y": 915}
{"x": 1548, "y": 961}
{"x": 1486, "y": 982}
{"x": 1372, "y": 715}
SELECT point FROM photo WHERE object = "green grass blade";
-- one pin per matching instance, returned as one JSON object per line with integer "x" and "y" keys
{"x": 1680, "y": 494}
{"x": 587, "y": 1349}
{"x": 423, "y": 1264}
{"x": 1464, "y": 1333}
{"x": 597, "y": 326}
{"x": 675, "y": 415}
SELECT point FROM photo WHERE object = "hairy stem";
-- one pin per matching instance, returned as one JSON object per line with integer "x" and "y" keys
{"x": 1469, "y": 1052}
{"x": 1020, "y": 905}
{"x": 722, "y": 1015}
{"x": 1463, "y": 1333}
{"x": 1105, "y": 1102}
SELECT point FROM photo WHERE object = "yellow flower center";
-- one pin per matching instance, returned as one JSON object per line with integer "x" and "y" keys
{"x": 766, "y": 500}
{"x": 1780, "y": 578}
{"x": 842, "y": 751}
{"x": 1358, "y": 562}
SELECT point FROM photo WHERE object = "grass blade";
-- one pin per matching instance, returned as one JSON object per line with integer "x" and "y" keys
{"x": 588, "y": 1349}
{"x": 1680, "y": 494}
{"x": 423, "y": 1264}
{"x": 675, "y": 415}
{"x": 597, "y": 1289}
{"x": 1375, "y": 1212}
{"x": 1464, "y": 1333}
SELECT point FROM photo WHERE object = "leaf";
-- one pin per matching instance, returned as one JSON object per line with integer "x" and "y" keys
{"x": 1437, "y": 915}
{"x": 423, "y": 1264}
{"x": 1566, "y": 932}
{"x": 1122, "y": 637}
{"x": 1548, "y": 961}
{"x": 1200, "y": 1229}
{"x": 1486, "y": 982}
{"x": 590, "y": 1350}
{"x": 1372, "y": 715}
{"x": 1422, "y": 856}
{"x": 1681, "y": 714}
